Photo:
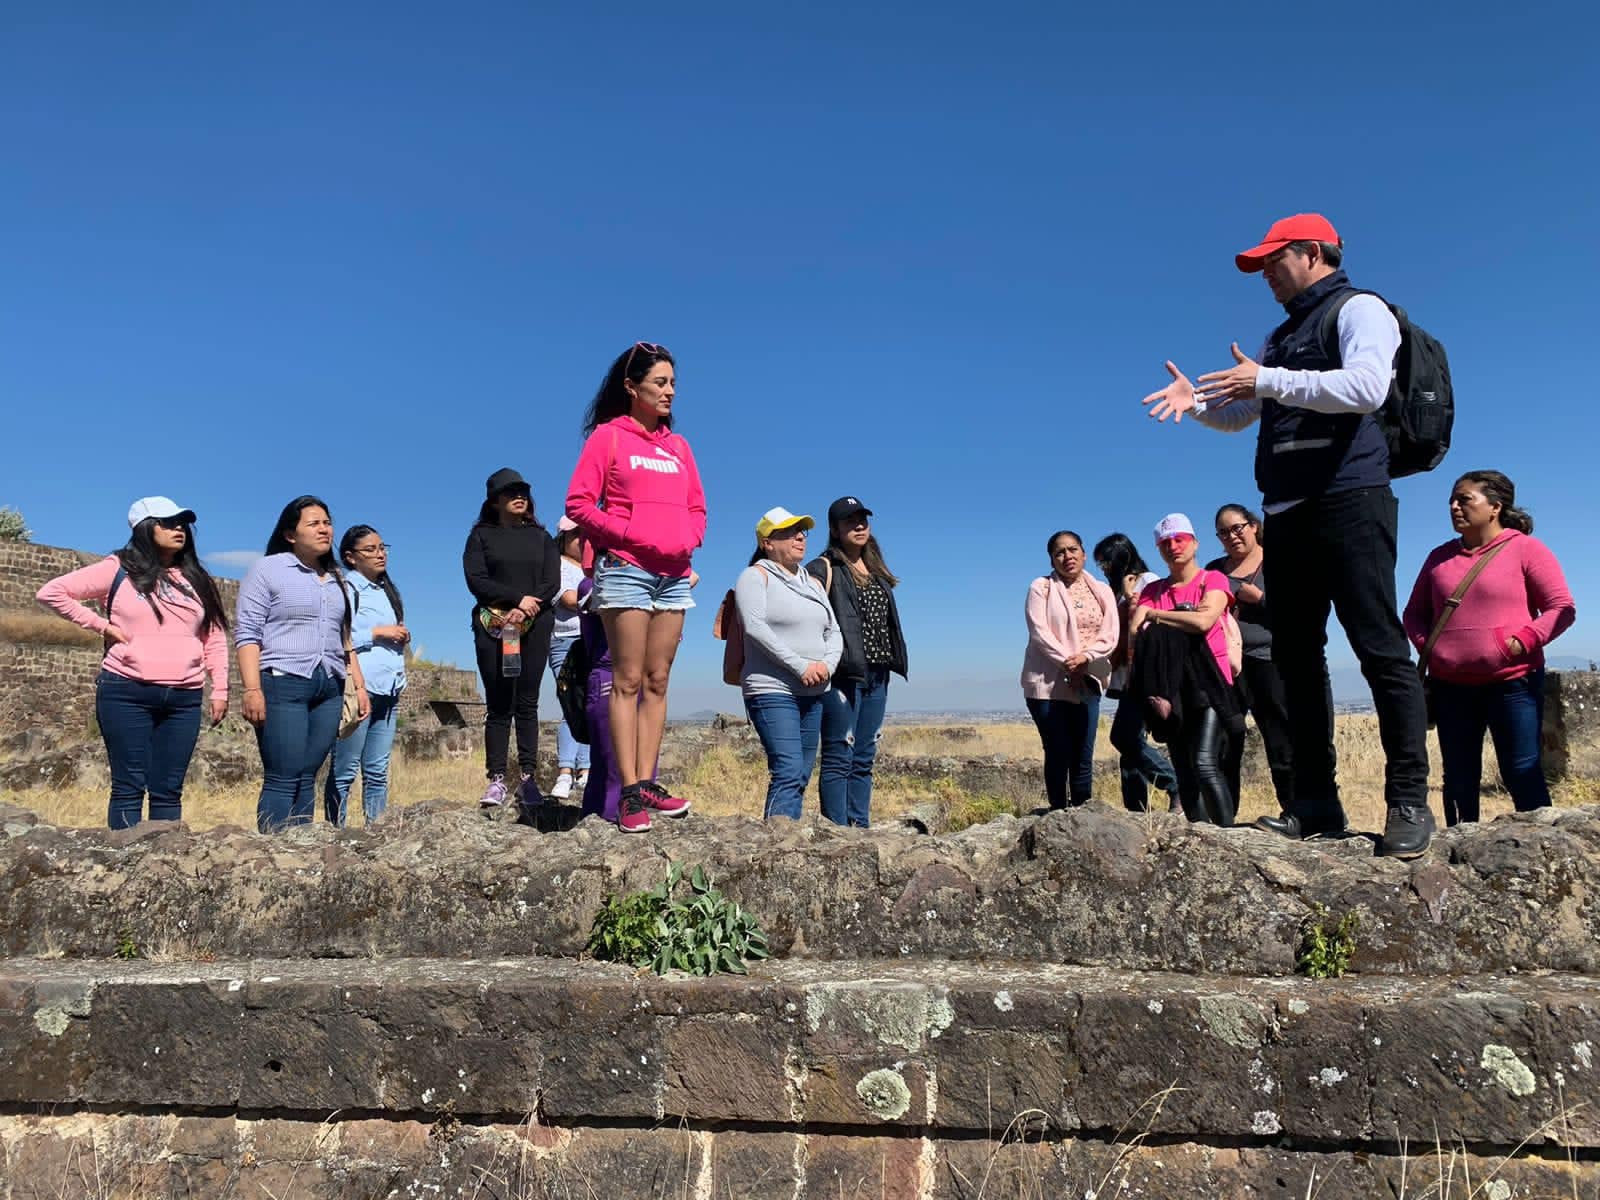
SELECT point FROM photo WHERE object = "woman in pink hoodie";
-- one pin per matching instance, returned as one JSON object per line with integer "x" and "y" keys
{"x": 636, "y": 495}
{"x": 1486, "y": 670}
{"x": 165, "y": 632}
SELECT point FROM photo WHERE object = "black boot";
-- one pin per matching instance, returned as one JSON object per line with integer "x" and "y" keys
{"x": 1291, "y": 825}
{"x": 1407, "y": 832}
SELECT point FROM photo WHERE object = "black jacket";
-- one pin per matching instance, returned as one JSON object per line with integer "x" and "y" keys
{"x": 845, "y": 598}
{"x": 505, "y": 563}
{"x": 1179, "y": 667}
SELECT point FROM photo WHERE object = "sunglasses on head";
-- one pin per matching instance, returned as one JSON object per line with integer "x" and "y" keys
{"x": 650, "y": 348}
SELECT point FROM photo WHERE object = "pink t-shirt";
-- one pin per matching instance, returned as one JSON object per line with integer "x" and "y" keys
{"x": 1163, "y": 595}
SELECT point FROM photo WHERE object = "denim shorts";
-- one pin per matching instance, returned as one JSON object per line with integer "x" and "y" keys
{"x": 619, "y": 584}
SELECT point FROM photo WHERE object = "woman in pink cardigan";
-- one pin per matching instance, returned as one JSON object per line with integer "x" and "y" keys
{"x": 165, "y": 633}
{"x": 1072, "y": 629}
{"x": 1486, "y": 671}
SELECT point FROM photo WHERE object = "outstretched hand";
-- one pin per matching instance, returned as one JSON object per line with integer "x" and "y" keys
{"x": 1173, "y": 400}
{"x": 1238, "y": 382}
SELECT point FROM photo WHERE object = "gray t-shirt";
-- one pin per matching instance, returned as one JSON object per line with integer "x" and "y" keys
{"x": 788, "y": 624}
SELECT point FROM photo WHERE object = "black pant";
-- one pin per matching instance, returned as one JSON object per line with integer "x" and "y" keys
{"x": 517, "y": 696}
{"x": 1199, "y": 750}
{"x": 1261, "y": 694}
{"x": 1338, "y": 551}
{"x": 1139, "y": 764}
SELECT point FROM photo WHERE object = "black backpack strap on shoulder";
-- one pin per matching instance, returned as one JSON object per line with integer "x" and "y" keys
{"x": 1328, "y": 334}
{"x": 111, "y": 592}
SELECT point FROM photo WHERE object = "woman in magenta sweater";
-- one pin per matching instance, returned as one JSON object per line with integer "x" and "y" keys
{"x": 165, "y": 633}
{"x": 1487, "y": 668}
{"x": 636, "y": 495}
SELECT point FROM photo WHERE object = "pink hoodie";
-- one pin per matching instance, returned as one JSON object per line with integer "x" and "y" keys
{"x": 637, "y": 495}
{"x": 169, "y": 653}
{"x": 1522, "y": 594}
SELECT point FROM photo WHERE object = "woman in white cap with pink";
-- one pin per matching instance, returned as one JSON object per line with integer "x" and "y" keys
{"x": 1183, "y": 649}
{"x": 165, "y": 633}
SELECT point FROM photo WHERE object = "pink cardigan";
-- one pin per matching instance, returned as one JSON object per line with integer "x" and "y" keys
{"x": 1053, "y": 638}
{"x": 170, "y": 652}
{"x": 1522, "y": 594}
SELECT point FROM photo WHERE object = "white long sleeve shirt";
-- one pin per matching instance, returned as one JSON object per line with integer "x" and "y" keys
{"x": 1369, "y": 338}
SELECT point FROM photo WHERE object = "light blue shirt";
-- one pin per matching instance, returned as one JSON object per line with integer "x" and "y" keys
{"x": 383, "y": 666}
{"x": 296, "y": 620}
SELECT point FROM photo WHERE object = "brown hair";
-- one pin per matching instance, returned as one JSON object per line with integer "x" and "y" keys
{"x": 1498, "y": 489}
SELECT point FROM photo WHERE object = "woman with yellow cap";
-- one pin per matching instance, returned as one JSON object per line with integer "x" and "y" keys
{"x": 791, "y": 648}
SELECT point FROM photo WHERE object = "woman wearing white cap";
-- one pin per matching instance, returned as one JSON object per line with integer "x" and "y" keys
{"x": 791, "y": 648}
{"x": 571, "y": 754}
{"x": 165, "y": 633}
{"x": 1182, "y": 669}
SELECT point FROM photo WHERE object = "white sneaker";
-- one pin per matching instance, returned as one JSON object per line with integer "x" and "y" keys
{"x": 582, "y": 782}
{"x": 563, "y": 787}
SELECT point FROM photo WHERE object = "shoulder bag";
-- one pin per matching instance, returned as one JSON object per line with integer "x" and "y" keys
{"x": 1450, "y": 606}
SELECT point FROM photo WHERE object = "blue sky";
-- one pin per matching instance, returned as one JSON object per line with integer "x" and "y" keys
{"x": 927, "y": 254}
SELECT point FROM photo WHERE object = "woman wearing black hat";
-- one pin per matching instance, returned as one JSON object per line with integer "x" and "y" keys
{"x": 513, "y": 571}
{"x": 861, "y": 589}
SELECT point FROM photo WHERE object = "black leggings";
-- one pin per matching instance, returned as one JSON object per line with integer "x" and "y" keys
{"x": 517, "y": 696}
{"x": 1199, "y": 753}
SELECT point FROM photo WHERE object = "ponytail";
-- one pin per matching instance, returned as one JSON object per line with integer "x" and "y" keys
{"x": 1497, "y": 488}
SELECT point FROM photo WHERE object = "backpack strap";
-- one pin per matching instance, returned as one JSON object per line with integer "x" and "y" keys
{"x": 1328, "y": 332}
{"x": 111, "y": 592}
{"x": 1454, "y": 602}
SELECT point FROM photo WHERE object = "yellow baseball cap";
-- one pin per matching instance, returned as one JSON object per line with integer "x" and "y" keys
{"x": 775, "y": 519}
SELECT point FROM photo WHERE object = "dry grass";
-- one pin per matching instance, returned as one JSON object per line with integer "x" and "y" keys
{"x": 730, "y": 780}
{"x": 42, "y": 629}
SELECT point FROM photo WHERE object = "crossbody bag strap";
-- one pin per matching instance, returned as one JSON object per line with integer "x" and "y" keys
{"x": 1454, "y": 602}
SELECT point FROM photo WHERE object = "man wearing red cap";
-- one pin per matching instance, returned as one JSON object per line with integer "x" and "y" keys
{"x": 1322, "y": 464}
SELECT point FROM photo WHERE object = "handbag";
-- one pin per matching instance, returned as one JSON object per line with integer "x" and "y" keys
{"x": 1450, "y": 607}
{"x": 350, "y": 710}
{"x": 1232, "y": 635}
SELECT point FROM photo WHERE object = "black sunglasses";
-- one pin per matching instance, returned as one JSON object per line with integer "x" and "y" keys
{"x": 172, "y": 523}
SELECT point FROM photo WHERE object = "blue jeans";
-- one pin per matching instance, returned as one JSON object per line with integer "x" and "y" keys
{"x": 1140, "y": 765}
{"x": 570, "y": 752}
{"x": 301, "y": 726}
{"x": 149, "y": 731}
{"x": 852, "y": 721}
{"x": 790, "y": 727}
{"x": 1512, "y": 711}
{"x": 1067, "y": 731}
{"x": 367, "y": 750}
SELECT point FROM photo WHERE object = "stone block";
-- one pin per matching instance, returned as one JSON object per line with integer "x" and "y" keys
{"x": 727, "y": 1068}
{"x": 856, "y": 1168}
{"x": 756, "y": 1166}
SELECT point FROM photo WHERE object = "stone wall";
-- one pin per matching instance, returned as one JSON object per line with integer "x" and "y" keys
{"x": 1085, "y": 1003}
{"x": 50, "y": 688}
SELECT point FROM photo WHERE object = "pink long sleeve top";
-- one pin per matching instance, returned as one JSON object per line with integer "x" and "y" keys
{"x": 1053, "y": 638}
{"x": 170, "y": 652}
{"x": 637, "y": 495}
{"x": 1522, "y": 594}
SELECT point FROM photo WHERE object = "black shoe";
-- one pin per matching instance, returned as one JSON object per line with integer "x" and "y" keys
{"x": 1290, "y": 826}
{"x": 1407, "y": 832}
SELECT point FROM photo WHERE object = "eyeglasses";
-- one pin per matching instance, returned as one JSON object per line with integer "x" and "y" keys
{"x": 381, "y": 548}
{"x": 648, "y": 347}
{"x": 1235, "y": 530}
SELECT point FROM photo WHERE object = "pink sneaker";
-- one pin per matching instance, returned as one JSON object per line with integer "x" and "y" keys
{"x": 658, "y": 799}
{"x": 633, "y": 818}
{"x": 494, "y": 796}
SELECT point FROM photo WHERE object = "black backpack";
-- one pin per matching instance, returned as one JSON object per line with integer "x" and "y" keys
{"x": 1420, "y": 410}
{"x": 572, "y": 690}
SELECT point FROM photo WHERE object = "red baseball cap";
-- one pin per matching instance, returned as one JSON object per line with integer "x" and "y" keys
{"x": 1302, "y": 227}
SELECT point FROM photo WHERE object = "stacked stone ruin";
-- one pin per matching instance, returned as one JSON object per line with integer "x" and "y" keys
{"x": 1086, "y": 1003}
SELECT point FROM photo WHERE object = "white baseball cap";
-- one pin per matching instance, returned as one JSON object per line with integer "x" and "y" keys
{"x": 160, "y": 508}
{"x": 1172, "y": 525}
{"x": 775, "y": 519}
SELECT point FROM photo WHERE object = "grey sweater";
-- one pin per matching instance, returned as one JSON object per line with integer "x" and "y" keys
{"x": 788, "y": 624}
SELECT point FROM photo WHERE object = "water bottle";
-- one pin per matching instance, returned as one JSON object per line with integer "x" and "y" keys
{"x": 511, "y": 649}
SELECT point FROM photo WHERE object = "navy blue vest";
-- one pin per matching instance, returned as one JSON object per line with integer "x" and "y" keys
{"x": 1301, "y": 454}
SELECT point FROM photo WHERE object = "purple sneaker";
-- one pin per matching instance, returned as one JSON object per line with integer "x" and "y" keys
{"x": 494, "y": 796}
{"x": 528, "y": 793}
